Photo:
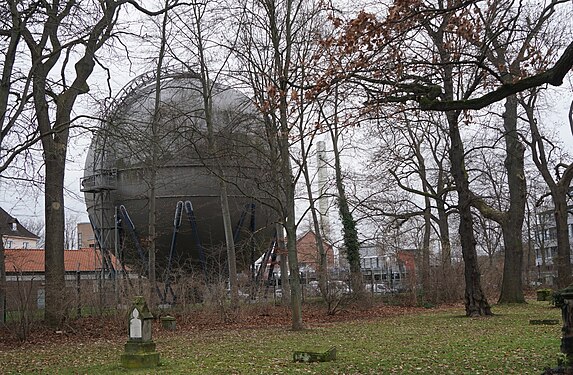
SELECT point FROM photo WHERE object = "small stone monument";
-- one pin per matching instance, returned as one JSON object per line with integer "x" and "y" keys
{"x": 168, "y": 322}
{"x": 567, "y": 330}
{"x": 564, "y": 299}
{"x": 140, "y": 348}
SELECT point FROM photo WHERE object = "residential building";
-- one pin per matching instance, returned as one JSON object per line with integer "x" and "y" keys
{"x": 14, "y": 235}
{"x": 546, "y": 242}
{"x": 308, "y": 254}
{"x": 86, "y": 237}
{"x": 25, "y": 274}
{"x": 389, "y": 268}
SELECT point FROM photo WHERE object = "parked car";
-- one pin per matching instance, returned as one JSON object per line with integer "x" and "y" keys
{"x": 242, "y": 294}
{"x": 379, "y": 288}
{"x": 338, "y": 287}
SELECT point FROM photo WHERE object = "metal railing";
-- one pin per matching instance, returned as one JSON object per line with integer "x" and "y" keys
{"x": 105, "y": 179}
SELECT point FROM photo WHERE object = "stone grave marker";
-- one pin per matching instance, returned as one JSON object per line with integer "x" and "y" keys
{"x": 168, "y": 322}
{"x": 139, "y": 351}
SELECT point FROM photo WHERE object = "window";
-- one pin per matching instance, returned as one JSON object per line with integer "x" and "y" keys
{"x": 14, "y": 226}
{"x": 24, "y": 245}
{"x": 8, "y": 244}
{"x": 80, "y": 244}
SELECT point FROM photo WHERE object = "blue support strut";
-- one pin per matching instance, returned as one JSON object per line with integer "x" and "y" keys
{"x": 133, "y": 233}
{"x": 172, "y": 251}
{"x": 195, "y": 233}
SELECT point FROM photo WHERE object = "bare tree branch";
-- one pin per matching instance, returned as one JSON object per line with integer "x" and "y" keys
{"x": 553, "y": 76}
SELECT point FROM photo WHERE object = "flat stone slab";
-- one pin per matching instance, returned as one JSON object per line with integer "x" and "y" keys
{"x": 549, "y": 322}
{"x": 307, "y": 357}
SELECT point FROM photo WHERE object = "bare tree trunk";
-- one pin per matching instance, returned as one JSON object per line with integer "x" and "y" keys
{"x": 530, "y": 257}
{"x": 444, "y": 229}
{"x": 70, "y": 233}
{"x": 351, "y": 244}
{"x": 290, "y": 224}
{"x": 7, "y": 78}
{"x": 563, "y": 247}
{"x": 278, "y": 29}
{"x": 152, "y": 198}
{"x": 322, "y": 261}
{"x": 558, "y": 189}
{"x": 55, "y": 137}
{"x": 561, "y": 213}
{"x": 349, "y": 232}
{"x": 2, "y": 284}
{"x": 425, "y": 271}
{"x": 55, "y": 150}
{"x": 53, "y": 110}
{"x": 283, "y": 264}
{"x": 232, "y": 264}
{"x": 445, "y": 290}
{"x": 54, "y": 249}
{"x": 475, "y": 300}
{"x": 540, "y": 241}
{"x": 512, "y": 284}
{"x": 510, "y": 221}
{"x": 282, "y": 63}
{"x": 294, "y": 279}
{"x": 152, "y": 240}
{"x": 206, "y": 93}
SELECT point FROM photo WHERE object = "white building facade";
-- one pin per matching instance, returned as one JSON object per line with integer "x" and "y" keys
{"x": 546, "y": 243}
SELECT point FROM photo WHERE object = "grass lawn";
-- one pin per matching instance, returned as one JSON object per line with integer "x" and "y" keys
{"x": 440, "y": 341}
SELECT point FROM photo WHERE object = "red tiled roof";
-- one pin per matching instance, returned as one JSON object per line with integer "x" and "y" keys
{"x": 32, "y": 260}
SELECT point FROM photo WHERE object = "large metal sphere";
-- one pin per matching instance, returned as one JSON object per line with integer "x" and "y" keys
{"x": 139, "y": 148}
